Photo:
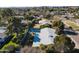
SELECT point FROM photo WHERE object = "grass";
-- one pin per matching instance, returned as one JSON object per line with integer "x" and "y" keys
{"x": 72, "y": 24}
{"x": 10, "y": 43}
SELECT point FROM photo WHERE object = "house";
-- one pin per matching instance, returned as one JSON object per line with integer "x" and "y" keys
{"x": 44, "y": 21}
{"x": 2, "y": 31}
{"x": 45, "y": 36}
{"x": 69, "y": 15}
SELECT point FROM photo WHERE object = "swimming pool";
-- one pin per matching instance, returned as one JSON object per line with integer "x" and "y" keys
{"x": 34, "y": 30}
{"x": 36, "y": 35}
{"x": 36, "y": 38}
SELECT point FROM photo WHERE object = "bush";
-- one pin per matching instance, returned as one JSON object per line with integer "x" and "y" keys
{"x": 29, "y": 40}
{"x": 59, "y": 31}
{"x": 9, "y": 48}
{"x": 58, "y": 24}
{"x": 50, "y": 48}
{"x": 63, "y": 43}
{"x": 43, "y": 47}
{"x": 45, "y": 26}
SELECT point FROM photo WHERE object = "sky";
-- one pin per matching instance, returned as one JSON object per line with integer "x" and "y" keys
{"x": 33, "y": 3}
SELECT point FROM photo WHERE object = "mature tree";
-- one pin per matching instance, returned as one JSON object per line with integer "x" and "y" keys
{"x": 59, "y": 26}
{"x": 58, "y": 31}
{"x": 71, "y": 10}
{"x": 30, "y": 40}
{"x": 50, "y": 48}
{"x": 15, "y": 26}
{"x": 63, "y": 43}
{"x": 43, "y": 47}
{"x": 7, "y": 12}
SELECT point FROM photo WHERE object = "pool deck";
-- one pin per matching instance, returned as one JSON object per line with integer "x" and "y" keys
{"x": 36, "y": 41}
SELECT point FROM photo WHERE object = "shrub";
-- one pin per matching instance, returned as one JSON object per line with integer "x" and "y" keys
{"x": 43, "y": 47}
{"x": 63, "y": 43}
{"x": 45, "y": 26}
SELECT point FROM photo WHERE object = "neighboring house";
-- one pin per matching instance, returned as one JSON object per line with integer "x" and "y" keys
{"x": 44, "y": 21}
{"x": 77, "y": 21}
{"x": 45, "y": 36}
{"x": 20, "y": 17}
{"x": 2, "y": 31}
{"x": 69, "y": 15}
{"x": 24, "y": 21}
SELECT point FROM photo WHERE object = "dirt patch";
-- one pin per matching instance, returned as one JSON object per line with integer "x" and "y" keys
{"x": 27, "y": 49}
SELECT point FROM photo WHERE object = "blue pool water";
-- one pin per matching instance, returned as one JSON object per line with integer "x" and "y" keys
{"x": 36, "y": 36}
{"x": 36, "y": 39}
{"x": 34, "y": 30}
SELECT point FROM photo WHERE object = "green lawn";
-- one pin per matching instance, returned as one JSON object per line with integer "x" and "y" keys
{"x": 10, "y": 43}
{"x": 72, "y": 24}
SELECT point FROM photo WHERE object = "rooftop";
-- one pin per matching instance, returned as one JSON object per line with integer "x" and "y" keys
{"x": 46, "y": 36}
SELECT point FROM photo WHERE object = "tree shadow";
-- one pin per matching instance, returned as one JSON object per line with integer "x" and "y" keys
{"x": 70, "y": 33}
{"x": 75, "y": 51}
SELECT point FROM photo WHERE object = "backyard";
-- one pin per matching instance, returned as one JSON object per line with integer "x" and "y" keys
{"x": 71, "y": 24}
